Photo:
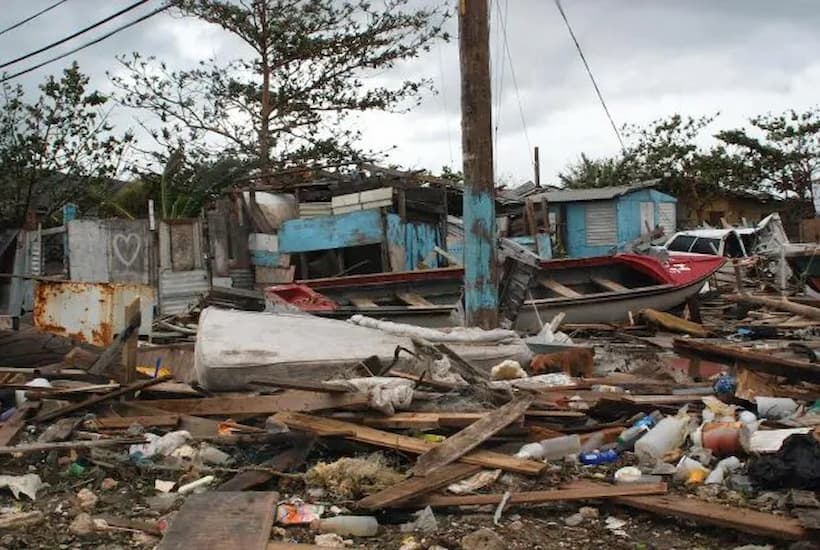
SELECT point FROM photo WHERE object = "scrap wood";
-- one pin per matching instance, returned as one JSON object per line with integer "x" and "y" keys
{"x": 131, "y": 524}
{"x": 362, "y": 434}
{"x": 114, "y": 352}
{"x": 220, "y": 520}
{"x": 426, "y": 381}
{"x": 290, "y": 400}
{"x": 809, "y": 312}
{"x": 577, "y": 491}
{"x": 673, "y": 323}
{"x": 68, "y": 409}
{"x": 742, "y": 519}
{"x": 750, "y": 359}
{"x": 284, "y": 461}
{"x": 64, "y": 445}
{"x": 125, "y": 422}
{"x": 414, "y": 487}
{"x": 17, "y": 422}
{"x": 419, "y": 420}
{"x": 307, "y": 385}
{"x": 456, "y": 446}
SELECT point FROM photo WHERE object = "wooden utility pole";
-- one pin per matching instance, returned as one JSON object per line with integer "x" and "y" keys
{"x": 480, "y": 267}
{"x": 537, "y": 166}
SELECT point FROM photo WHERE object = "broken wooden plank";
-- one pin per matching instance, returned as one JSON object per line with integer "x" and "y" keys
{"x": 126, "y": 523}
{"x": 363, "y": 434}
{"x": 413, "y": 487}
{"x": 128, "y": 364}
{"x": 472, "y": 436}
{"x": 63, "y": 445}
{"x": 608, "y": 284}
{"x": 125, "y": 422}
{"x": 570, "y": 493}
{"x": 673, "y": 323}
{"x": 114, "y": 352}
{"x": 305, "y": 385}
{"x": 17, "y": 422}
{"x": 750, "y": 359}
{"x": 558, "y": 288}
{"x": 782, "y": 304}
{"x": 742, "y": 519}
{"x": 220, "y": 520}
{"x": 68, "y": 409}
{"x": 285, "y": 461}
{"x": 414, "y": 299}
{"x": 291, "y": 400}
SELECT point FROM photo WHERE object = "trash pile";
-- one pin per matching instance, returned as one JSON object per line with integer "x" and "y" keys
{"x": 289, "y": 431}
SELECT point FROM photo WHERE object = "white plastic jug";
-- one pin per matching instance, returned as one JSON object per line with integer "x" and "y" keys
{"x": 666, "y": 436}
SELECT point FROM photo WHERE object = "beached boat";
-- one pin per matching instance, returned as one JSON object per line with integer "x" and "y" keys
{"x": 587, "y": 290}
{"x": 804, "y": 259}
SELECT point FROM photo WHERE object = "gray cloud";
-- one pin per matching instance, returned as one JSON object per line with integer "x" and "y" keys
{"x": 651, "y": 58}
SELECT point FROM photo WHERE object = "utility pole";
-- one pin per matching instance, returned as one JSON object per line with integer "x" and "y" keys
{"x": 537, "y": 166}
{"x": 480, "y": 267}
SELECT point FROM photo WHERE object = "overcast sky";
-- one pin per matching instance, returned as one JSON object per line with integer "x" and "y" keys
{"x": 651, "y": 58}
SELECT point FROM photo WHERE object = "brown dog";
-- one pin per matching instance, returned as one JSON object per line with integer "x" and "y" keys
{"x": 574, "y": 362}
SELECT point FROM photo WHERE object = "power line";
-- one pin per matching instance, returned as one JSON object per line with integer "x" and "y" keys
{"x": 515, "y": 83}
{"x": 87, "y": 44}
{"x": 499, "y": 50}
{"x": 29, "y": 18}
{"x": 76, "y": 34}
{"x": 589, "y": 72}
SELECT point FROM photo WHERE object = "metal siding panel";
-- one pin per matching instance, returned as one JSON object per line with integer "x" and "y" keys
{"x": 667, "y": 216}
{"x": 180, "y": 289}
{"x": 600, "y": 224}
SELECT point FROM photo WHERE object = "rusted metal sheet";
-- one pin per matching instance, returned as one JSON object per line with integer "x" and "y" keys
{"x": 89, "y": 312}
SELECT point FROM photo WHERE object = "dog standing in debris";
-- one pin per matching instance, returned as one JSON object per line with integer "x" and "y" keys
{"x": 578, "y": 362}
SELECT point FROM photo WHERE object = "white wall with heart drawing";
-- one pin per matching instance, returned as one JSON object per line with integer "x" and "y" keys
{"x": 110, "y": 250}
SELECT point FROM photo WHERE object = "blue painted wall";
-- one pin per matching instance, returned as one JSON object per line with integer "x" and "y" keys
{"x": 417, "y": 240}
{"x": 326, "y": 232}
{"x": 627, "y": 216}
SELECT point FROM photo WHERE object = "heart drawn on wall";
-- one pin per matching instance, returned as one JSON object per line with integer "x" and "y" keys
{"x": 126, "y": 247}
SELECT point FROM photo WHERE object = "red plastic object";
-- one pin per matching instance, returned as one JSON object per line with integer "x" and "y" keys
{"x": 301, "y": 296}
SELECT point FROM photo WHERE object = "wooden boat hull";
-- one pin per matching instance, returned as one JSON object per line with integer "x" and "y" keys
{"x": 662, "y": 287}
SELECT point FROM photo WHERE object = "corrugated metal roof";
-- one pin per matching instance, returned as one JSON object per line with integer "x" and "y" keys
{"x": 594, "y": 194}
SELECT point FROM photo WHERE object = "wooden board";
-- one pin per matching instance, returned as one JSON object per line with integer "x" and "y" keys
{"x": 291, "y": 400}
{"x": 17, "y": 422}
{"x": 414, "y": 299}
{"x": 218, "y": 521}
{"x": 284, "y": 461}
{"x": 608, "y": 284}
{"x": 123, "y": 423}
{"x": 558, "y": 288}
{"x": 416, "y": 486}
{"x": 306, "y": 385}
{"x": 362, "y": 434}
{"x": 742, "y": 519}
{"x": 454, "y": 447}
{"x": 420, "y": 420}
{"x": 581, "y": 492}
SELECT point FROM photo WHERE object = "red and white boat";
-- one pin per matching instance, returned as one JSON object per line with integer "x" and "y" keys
{"x": 601, "y": 289}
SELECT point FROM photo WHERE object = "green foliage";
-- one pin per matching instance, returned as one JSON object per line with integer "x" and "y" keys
{"x": 287, "y": 101}
{"x": 54, "y": 148}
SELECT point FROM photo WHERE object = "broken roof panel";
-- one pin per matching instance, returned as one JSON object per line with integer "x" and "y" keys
{"x": 594, "y": 194}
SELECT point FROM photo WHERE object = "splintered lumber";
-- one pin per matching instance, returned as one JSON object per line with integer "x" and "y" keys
{"x": 114, "y": 352}
{"x": 219, "y": 520}
{"x": 285, "y": 461}
{"x": 673, "y": 323}
{"x": 413, "y": 487}
{"x": 456, "y": 446}
{"x": 306, "y": 385}
{"x": 291, "y": 400}
{"x": 742, "y": 519}
{"x": 13, "y": 425}
{"x": 753, "y": 360}
{"x": 64, "y": 445}
{"x": 580, "y": 492}
{"x": 363, "y": 434}
{"x": 125, "y": 422}
{"x": 68, "y": 409}
{"x": 781, "y": 304}
{"x": 420, "y": 420}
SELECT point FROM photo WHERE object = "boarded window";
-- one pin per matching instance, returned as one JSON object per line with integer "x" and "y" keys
{"x": 600, "y": 222}
{"x": 667, "y": 217}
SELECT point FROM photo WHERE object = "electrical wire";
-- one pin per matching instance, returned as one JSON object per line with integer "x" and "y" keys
{"x": 515, "y": 84}
{"x": 75, "y": 35}
{"x": 444, "y": 101}
{"x": 87, "y": 44}
{"x": 589, "y": 72}
{"x": 499, "y": 50}
{"x": 36, "y": 15}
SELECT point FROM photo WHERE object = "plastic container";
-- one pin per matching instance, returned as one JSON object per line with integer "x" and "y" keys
{"x": 598, "y": 457}
{"x": 722, "y": 438}
{"x": 724, "y": 467}
{"x": 666, "y": 436}
{"x": 355, "y": 526}
{"x": 775, "y": 408}
{"x": 551, "y": 449}
{"x": 642, "y": 426}
{"x": 691, "y": 471}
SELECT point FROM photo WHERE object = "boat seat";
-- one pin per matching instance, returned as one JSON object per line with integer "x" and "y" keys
{"x": 608, "y": 284}
{"x": 558, "y": 288}
{"x": 413, "y": 299}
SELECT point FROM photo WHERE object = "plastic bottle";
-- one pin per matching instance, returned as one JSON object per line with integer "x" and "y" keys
{"x": 598, "y": 457}
{"x": 551, "y": 449}
{"x": 643, "y": 425}
{"x": 724, "y": 467}
{"x": 356, "y": 526}
{"x": 666, "y": 436}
